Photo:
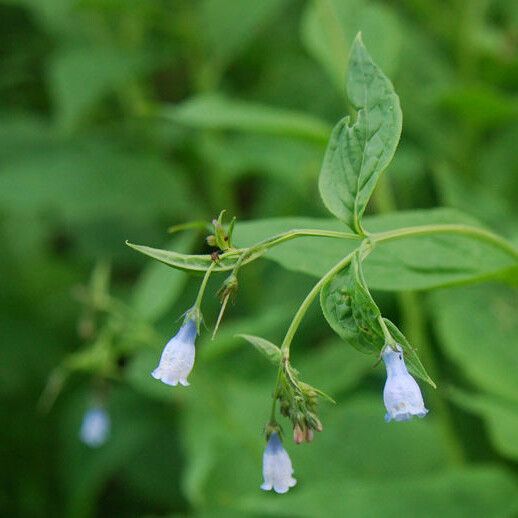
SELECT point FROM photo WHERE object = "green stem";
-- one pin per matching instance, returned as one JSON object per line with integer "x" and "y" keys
{"x": 297, "y": 319}
{"x": 292, "y": 234}
{"x": 276, "y": 393}
{"x": 299, "y": 315}
{"x": 201, "y": 291}
{"x": 423, "y": 230}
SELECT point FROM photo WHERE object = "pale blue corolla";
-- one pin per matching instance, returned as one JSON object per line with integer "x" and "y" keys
{"x": 95, "y": 427}
{"x": 277, "y": 468}
{"x": 177, "y": 358}
{"x": 401, "y": 395}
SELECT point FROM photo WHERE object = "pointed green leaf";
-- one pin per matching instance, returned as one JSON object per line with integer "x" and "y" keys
{"x": 359, "y": 151}
{"x": 352, "y": 313}
{"x": 196, "y": 263}
{"x": 350, "y": 310}
{"x": 214, "y": 112}
{"x": 269, "y": 350}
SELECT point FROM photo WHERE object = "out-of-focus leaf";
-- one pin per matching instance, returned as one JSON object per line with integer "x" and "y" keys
{"x": 219, "y": 113}
{"x": 478, "y": 330}
{"x": 334, "y": 367}
{"x": 483, "y": 491}
{"x": 158, "y": 286}
{"x": 359, "y": 151}
{"x": 228, "y": 26}
{"x": 412, "y": 263}
{"x": 490, "y": 191}
{"x": 270, "y": 351}
{"x": 81, "y": 76}
{"x": 482, "y": 107}
{"x": 88, "y": 179}
{"x": 329, "y": 26}
{"x": 288, "y": 160}
{"x": 501, "y": 418}
{"x": 266, "y": 322}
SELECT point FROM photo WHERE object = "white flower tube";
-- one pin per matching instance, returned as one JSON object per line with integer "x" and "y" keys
{"x": 95, "y": 427}
{"x": 277, "y": 468}
{"x": 177, "y": 358}
{"x": 401, "y": 395}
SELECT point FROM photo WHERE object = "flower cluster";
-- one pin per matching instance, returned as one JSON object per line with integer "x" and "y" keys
{"x": 298, "y": 400}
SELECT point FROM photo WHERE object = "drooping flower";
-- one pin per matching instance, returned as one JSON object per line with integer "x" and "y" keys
{"x": 95, "y": 427}
{"x": 401, "y": 395}
{"x": 177, "y": 357}
{"x": 277, "y": 468}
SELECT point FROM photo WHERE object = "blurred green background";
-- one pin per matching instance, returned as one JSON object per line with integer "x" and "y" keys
{"x": 119, "y": 118}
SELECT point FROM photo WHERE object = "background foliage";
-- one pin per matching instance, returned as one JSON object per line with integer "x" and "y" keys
{"x": 120, "y": 118}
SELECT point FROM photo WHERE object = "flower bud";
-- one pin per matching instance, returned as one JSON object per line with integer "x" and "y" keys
{"x": 228, "y": 288}
{"x": 299, "y": 434}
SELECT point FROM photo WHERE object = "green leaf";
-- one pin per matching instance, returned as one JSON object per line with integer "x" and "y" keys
{"x": 500, "y": 416}
{"x": 217, "y": 113}
{"x": 359, "y": 151}
{"x": 352, "y": 313}
{"x": 478, "y": 331}
{"x": 86, "y": 179}
{"x": 412, "y": 263}
{"x": 291, "y": 162}
{"x": 196, "y": 263}
{"x": 270, "y": 351}
{"x": 479, "y": 106}
{"x": 228, "y": 26}
{"x": 82, "y": 76}
{"x": 350, "y": 310}
{"x": 411, "y": 358}
{"x": 452, "y": 493}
